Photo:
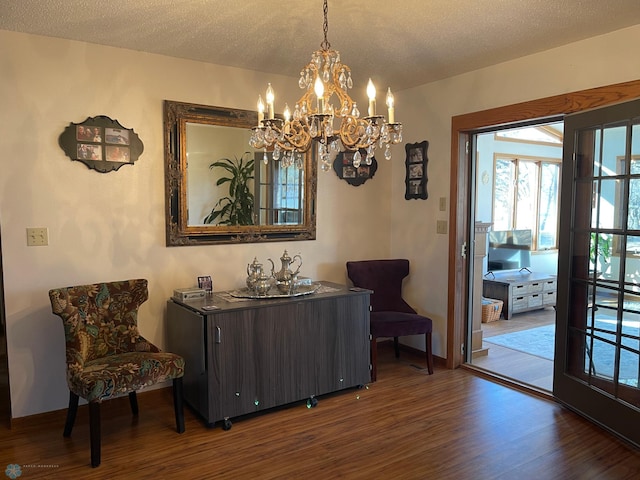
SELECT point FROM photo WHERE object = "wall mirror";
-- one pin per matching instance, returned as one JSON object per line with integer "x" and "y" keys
{"x": 210, "y": 167}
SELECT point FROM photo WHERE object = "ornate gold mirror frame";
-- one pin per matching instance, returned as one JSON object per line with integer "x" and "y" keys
{"x": 180, "y": 229}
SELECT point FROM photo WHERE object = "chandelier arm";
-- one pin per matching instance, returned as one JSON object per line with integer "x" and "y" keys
{"x": 295, "y": 137}
{"x": 345, "y": 106}
{"x": 307, "y": 101}
{"x": 352, "y": 133}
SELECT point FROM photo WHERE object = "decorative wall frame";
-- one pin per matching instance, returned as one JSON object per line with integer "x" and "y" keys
{"x": 101, "y": 143}
{"x": 356, "y": 176}
{"x": 416, "y": 171}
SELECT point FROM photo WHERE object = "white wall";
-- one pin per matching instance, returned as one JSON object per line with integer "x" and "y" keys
{"x": 426, "y": 112}
{"x": 112, "y": 226}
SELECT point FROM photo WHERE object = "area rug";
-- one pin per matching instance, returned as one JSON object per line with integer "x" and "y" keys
{"x": 537, "y": 341}
{"x": 540, "y": 341}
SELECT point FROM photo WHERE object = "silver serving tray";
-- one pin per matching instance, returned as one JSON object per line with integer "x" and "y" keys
{"x": 274, "y": 292}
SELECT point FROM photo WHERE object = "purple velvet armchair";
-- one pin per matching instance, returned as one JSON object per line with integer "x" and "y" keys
{"x": 391, "y": 316}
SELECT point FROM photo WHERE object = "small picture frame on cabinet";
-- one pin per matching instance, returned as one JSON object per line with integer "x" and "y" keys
{"x": 206, "y": 284}
{"x": 416, "y": 171}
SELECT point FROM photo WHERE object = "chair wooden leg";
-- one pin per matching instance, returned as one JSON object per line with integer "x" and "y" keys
{"x": 396, "y": 346}
{"x": 178, "y": 404}
{"x": 374, "y": 359}
{"x": 133, "y": 400}
{"x": 429, "y": 352}
{"x": 94, "y": 432}
{"x": 71, "y": 414}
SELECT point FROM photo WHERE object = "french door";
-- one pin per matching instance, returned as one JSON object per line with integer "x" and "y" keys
{"x": 597, "y": 351}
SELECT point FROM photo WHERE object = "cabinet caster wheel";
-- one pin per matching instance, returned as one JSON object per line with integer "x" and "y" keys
{"x": 312, "y": 402}
{"x": 226, "y": 424}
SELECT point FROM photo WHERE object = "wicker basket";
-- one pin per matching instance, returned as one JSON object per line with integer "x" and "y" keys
{"x": 491, "y": 310}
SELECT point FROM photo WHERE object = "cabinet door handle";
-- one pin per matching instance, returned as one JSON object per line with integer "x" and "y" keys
{"x": 218, "y": 335}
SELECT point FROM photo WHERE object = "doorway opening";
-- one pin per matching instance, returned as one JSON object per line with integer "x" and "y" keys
{"x": 516, "y": 178}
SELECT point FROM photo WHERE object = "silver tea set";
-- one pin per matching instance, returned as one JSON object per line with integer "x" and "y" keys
{"x": 285, "y": 280}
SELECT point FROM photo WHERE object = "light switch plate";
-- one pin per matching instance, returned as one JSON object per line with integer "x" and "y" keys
{"x": 443, "y": 204}
{"x": 441, "y": 226}
{"x": 37, "y": 237}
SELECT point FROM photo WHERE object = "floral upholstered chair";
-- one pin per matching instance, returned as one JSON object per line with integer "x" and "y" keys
{"x": 106, "y": 355}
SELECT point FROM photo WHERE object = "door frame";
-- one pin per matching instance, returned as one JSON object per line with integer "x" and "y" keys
{"x": 460, "y": 211}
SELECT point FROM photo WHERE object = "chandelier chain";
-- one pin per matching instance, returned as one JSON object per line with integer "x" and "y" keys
{"x": 325, "y": 45}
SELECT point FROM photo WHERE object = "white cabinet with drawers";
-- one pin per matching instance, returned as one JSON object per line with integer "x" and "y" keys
{"x": 520, "y": 291}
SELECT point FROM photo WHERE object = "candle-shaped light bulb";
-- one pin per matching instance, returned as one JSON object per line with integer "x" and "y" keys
{"x": 390, "y": 100}
{"x": 270, "y": 98}
{"x": 287, "y": 113}
{"x": 371, "y": 93}
{"x": 260, "y": 110}
{"x": 318, "y": 87}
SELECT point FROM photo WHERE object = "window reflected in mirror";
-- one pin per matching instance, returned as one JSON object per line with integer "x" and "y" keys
{"x": 280, "y": 192}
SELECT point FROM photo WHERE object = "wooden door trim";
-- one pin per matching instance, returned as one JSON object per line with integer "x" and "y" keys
{"x": 459, "y": 213}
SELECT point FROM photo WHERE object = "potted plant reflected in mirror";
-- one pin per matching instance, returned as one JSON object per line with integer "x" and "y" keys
{"x": 602, "y": 244}
{"x": 237, "y": 207}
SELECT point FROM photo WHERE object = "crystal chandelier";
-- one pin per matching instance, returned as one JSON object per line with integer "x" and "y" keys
{"x": 316, "y": 118}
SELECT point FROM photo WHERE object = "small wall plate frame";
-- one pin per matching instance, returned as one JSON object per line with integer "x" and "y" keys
{"x": 101, "y": 143}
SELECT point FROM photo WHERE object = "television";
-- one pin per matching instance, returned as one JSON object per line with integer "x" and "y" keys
{"x": 509, "y": 250}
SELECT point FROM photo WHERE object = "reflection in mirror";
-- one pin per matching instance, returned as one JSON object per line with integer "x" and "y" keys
{"x": 209, "y": 146}
{"x": 204, "y": 146}
{"x": 280, "y": 191}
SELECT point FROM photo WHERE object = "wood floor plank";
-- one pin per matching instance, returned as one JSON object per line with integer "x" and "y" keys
{"x": 407, "y": 425}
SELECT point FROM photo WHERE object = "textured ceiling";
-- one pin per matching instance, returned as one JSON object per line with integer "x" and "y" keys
{"x": 400, "y": 43}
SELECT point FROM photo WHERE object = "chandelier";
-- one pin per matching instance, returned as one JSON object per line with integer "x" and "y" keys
{"x": 326, "y": 115}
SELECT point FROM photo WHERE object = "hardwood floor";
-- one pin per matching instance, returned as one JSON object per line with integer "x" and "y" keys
{"x": 530, "y": 370}
{"x": 407, "y": 425}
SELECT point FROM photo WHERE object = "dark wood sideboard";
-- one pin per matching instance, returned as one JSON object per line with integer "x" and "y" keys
{"x": 251, "y": 355}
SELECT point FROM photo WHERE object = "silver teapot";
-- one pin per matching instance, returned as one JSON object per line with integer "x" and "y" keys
{"x": 263, "y": 284}
{"x": 254, "y": 273}
{"x": 286, "y": 278}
